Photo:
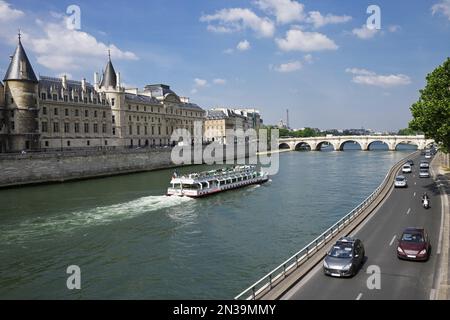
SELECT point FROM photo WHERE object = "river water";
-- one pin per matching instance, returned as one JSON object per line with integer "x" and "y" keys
{"x": 132, "y": 242}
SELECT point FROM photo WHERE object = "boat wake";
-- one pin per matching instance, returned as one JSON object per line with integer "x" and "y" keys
{"x": 39, "y": 227}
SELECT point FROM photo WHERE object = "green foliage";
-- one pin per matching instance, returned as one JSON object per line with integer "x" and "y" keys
{"x": 407, "y": 132}
{"x": 431, "y": 113}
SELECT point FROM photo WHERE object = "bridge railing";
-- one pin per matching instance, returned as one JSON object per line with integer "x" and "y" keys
{"x": 274, "y": 277}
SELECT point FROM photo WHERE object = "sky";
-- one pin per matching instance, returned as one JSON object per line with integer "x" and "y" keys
{"x": 317, "y": 58}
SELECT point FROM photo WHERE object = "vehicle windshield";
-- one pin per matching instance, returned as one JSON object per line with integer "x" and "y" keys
{"x": 424, "y": 170}
{"x": 341, "y": 251}
{"x": 399, "y": 179}
{"x": 412, "y": 237}
{"x": 407, "y": 166}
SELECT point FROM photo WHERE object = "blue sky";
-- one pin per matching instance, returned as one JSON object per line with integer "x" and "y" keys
{"x": 313, "y": 57}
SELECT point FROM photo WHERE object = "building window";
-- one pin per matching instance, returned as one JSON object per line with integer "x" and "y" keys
{"x": 95, "y": 128}
{"x": 88, "y": 143}
{"x": 159, "y": 130}
{"x": 104, "y": 114}
{"x": 103, "y": 101}
{"x": 44, "y": 110}
{"x": 43, "y": 96}
{"x": 65, "y": 99}
{"x": 55, "y": 126}
{"x": 86, "y": 113}
{"x": 55, "y": 97}
{"x": 106, "y": 142}
{"x": 46, "y": 143}
{"x": 131, "y": 130}
{"x": 104, "y": 127}
{"x": 153, "y": 130}
{"x": 85, "y": 100}
{"x": 44, "y": 126}
{"x": 137, "y": 108}
{"x": 55, "y": 111}
{"x": 68, "y": 143}
{"x": 86, "y": 128}
{"x": 95, "y": 100}
{"x": 113, "y": 119}
{"x": 75, "y": 99}
{"x": 77, "y": 113}
{"x": 95, "y": 114}
{"x": 129, "y": 118}
{"x": 66, "y": 127}
{"x": 145, "y": 108}
{"x": 113, "y": 102}
{"x": 145, "y": 130}
{"x": 77, "y": 127}
{"x": 66, "y": 112}
{"x": 114, "y": 131}
{"x": 138, "y": 130}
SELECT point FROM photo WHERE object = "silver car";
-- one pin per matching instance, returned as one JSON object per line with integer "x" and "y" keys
{"x": 424, "y": 173}
{"x": 345, "y": 258}
{"x": 400, "y": 182}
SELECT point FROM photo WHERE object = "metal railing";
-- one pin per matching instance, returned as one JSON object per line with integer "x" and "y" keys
{"x": 275, "y": 276}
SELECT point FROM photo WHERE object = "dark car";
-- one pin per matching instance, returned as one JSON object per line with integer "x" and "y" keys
{"x": 345, "y": 258}
{"x": 414, "y": 244}
{"x": 410, "y": 162}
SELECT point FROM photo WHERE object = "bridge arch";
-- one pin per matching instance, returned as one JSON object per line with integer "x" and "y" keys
{"x": 284, "y": 146}
{"x": 302, "y": 146}
{"x": 324, "y": 143}
{"x": 380, "y": 145}
{"x": 408, "y": 142}
{"x": 352, "y": 142}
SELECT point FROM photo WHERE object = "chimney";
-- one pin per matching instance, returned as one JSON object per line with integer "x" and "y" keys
{"x": 83, "y": 84}
{"x": 64, "y": 81}
{"x": 96, "y": 80}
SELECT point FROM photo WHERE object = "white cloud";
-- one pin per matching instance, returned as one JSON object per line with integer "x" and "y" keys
{"x": 220, "y": 81}
{"x": 7, "y": 13}
{"x": 228, "y": 51}
{"x": 289, "y": 67}
{"x": 243, "y": 45}
{"x": 61, "y": 49}
{"x": 394, "y": 28}
{"x": 285, "y": 11}
{"x": 370, "y": 78}
{"x": 442, "y": 7}
{"x": 298, "y": 40}
{"x": 237, "y": 19}
{"x": 364, "y": 32}
{"x": 318, "y": 20}
{"x": 199, "y": 83}
{"x": 308, "y": 58}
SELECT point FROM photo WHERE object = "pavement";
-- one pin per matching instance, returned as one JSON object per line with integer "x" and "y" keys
{"x": 379, "y": 233}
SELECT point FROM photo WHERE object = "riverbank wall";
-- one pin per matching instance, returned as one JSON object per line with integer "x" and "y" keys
{"x": 37, "y": 168}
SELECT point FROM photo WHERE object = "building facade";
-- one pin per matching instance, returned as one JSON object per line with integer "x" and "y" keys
{"x": 57, "y": 113}
{"x": 219, "y": 120}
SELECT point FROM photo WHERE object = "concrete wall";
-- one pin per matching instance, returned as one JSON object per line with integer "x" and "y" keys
{"x": 33, "y": 168}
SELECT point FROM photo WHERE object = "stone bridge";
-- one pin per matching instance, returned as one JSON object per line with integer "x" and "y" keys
{"x": 338, "y": 142}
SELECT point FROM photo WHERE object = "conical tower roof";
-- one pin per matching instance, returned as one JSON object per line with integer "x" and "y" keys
{"x": 20, "y": 67}
{"x": 109, "y": 76}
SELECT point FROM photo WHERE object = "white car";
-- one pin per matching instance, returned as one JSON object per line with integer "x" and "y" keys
{"x": 427, "y": 156}
{"x": 424, "y": 173}
{"x": 424, "y": 165}
{"x": 400, "y": 182}
{"x": 406, "y": 168}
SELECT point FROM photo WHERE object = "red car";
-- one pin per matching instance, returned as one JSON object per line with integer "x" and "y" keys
{"x": 414, "y": 245}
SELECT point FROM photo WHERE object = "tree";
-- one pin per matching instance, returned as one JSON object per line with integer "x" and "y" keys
{"x": 407, "y": 132}
{"x": 431, "y": 113}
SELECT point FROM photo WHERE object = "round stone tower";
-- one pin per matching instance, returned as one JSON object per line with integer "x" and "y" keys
{"x": 21, "y": 103}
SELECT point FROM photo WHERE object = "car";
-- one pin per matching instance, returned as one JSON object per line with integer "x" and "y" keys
{"x": 345, "y": 258}
{"x": 414, "y": 244}
{"x": 424, "y": 173}
{"x": 406, "y": 168}
{"x": 422, "y": 153}
{"x": 410, "y": 162}
{"x": 400, "y": 182}
{"x": 427, "y": 155}
{"x": 424, "y": 165}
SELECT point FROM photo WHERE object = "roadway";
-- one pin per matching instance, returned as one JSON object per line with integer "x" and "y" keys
{"x": 379, "y": 234}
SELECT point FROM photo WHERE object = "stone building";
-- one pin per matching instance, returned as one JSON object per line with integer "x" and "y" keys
{"x": 57, "y": 113}
{"x": 218, "y": 120}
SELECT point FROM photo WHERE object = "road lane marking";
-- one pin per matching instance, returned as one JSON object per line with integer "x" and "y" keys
{"x": 392, "y": 241}
{"x": 409, "y": 211}
{"x": 415, "y": 183}
{"x": 414, "y": 194}
{"x": 359, "y": 296}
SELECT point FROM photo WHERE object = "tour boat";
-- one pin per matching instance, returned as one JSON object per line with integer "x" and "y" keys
{"x": 205, "y": 183}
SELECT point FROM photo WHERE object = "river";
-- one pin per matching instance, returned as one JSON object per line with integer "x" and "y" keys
{"x": 133, "y": 242}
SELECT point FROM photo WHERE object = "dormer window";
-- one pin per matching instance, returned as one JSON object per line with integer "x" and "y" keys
{"x": 55, "y": 97}
{"x": 43, "y": 96}
{"x": 66, "y": 98}
{"x": 76, "y": 99}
